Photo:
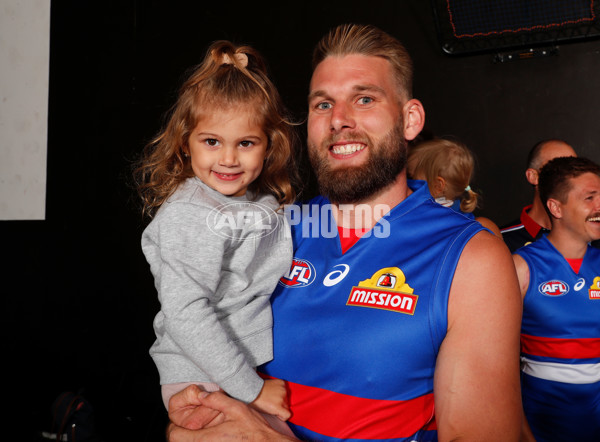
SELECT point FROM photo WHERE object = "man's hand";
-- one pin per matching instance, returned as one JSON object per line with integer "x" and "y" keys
{"x": 239, "y": 422}
{"x": 186, "y": 410}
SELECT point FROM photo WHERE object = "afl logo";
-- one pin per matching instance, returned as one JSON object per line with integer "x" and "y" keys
{"x": 553, "y": 288}
{"x": 301, "y": 274}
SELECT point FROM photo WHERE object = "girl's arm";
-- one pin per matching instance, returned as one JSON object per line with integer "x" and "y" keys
{"x": 187, "y": 275}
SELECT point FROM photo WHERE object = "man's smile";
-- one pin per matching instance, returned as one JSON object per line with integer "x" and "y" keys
{"x": 347, "y": 149}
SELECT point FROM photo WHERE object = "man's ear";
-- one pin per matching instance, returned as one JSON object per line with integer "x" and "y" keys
{"x": 555, "y": 207}
{"x": 532, "y": 176}
{"x": 414, "y": 118}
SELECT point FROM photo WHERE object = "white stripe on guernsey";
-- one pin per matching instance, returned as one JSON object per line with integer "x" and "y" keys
{"x": 567, "y": 373}
{"x": 510, "y": 229}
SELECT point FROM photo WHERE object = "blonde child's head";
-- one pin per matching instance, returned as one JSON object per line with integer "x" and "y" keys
{"x": 447, "y": 166}
{"x": 230, "y": 78}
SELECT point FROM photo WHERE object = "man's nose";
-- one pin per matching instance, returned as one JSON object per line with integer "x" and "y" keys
{"x": 342, "y": 117}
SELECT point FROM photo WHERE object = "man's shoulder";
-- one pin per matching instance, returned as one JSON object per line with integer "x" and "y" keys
{"x": 431, "y": 223}
{"x": 430, "y": 213}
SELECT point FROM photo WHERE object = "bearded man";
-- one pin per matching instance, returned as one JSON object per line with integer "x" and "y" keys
{"x": 408, "y": 332}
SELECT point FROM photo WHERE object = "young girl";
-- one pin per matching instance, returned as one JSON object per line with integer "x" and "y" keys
{"x": 213, "y": 182}
{"x": 447, "y": 166}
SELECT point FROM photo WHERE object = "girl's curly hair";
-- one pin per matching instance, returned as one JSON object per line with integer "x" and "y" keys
{"x": 222, "y": 81}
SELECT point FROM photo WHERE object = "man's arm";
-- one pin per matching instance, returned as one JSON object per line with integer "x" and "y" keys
{"x": 186, "y": 410}
{"x": 522, "y": 274}
{"x": 476, "y": 389}
{"x": 490, "y": 225}
{"x": 235, "y": 420}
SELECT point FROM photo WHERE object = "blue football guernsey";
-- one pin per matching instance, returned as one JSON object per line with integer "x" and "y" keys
{"x": 560, "y": 345}
{"x": 356, "y": 334}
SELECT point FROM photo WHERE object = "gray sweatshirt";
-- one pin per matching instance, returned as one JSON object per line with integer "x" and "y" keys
{"x": 215, "y": 261}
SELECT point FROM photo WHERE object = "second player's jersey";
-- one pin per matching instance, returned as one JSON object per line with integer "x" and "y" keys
{"x": 560, "y": 345}
{"x": 561, "y": 315}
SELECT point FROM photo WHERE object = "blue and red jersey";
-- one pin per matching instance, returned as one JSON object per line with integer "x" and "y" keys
{"x": 560, "y": 344}
{"x": 357, "y": 333}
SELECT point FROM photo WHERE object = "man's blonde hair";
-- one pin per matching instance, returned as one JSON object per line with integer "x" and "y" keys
{"x": 368, "y": 40}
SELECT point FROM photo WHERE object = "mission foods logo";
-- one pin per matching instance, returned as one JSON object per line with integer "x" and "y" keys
{"x": 387, "y": 290}
{"x": 553, "y": 288}
{"x": 594, "y": 290}
{"x": 243, "y": 221}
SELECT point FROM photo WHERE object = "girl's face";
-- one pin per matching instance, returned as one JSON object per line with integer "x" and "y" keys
{"x": 227, "y": 150}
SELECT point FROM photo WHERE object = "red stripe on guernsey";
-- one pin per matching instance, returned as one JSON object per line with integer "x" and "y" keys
{"x": 561, "y": 348}
{"x": 346, "y": 417}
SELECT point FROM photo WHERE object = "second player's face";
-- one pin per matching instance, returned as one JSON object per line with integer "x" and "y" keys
{"x": 581, "y": 211}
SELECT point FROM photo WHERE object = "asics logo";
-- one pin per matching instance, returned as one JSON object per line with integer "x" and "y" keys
{"x": 334, "y": 277}
{"x": 579, "y": 285}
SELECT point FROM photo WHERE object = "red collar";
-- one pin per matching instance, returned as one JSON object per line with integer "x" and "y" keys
{"x": 575, "y": 264}
{"x": 349, "y": 237}
{"x": 530, "y": 225}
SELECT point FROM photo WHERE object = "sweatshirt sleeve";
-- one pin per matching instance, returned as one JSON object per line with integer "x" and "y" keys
{"x": 191, "y": 257}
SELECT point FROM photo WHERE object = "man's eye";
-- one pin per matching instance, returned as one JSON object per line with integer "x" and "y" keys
{"x": 324, "y": 105}
{"x": 365, "y": 100}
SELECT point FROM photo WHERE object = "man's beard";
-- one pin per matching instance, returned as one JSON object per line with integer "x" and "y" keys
{"x": 353, "y": 184}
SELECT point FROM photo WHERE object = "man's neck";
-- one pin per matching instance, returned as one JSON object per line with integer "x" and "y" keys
{"x": 366, "y": 213}
{"x": 569, "y": 246}
{"x": 538, "y": 213}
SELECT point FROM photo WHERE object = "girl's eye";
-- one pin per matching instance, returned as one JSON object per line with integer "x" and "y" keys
{"x": 324, "y": 105}
{"x": 211, "y": 142}
{"x": 365, "y": 100}
{"x": 246, "y": 143}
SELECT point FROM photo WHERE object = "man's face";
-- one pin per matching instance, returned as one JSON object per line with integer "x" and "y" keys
{"x": 355, "y": 131}
{"x": 581, "y": 211}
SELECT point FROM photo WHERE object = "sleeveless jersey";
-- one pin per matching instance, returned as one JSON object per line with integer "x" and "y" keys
{"x": 356, "y": 334}
{"x": 560, "y": 345}
{"x": 456, "y": 207}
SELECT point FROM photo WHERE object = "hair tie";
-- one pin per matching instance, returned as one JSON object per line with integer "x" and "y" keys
{"x": 240, "y": 57}
{"x": 467, "y": 189}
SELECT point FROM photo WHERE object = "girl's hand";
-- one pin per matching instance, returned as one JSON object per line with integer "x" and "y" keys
{"x": 272, "y": 399}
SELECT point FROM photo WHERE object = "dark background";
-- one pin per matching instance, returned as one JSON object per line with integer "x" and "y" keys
{"x": 80, "y": 298}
